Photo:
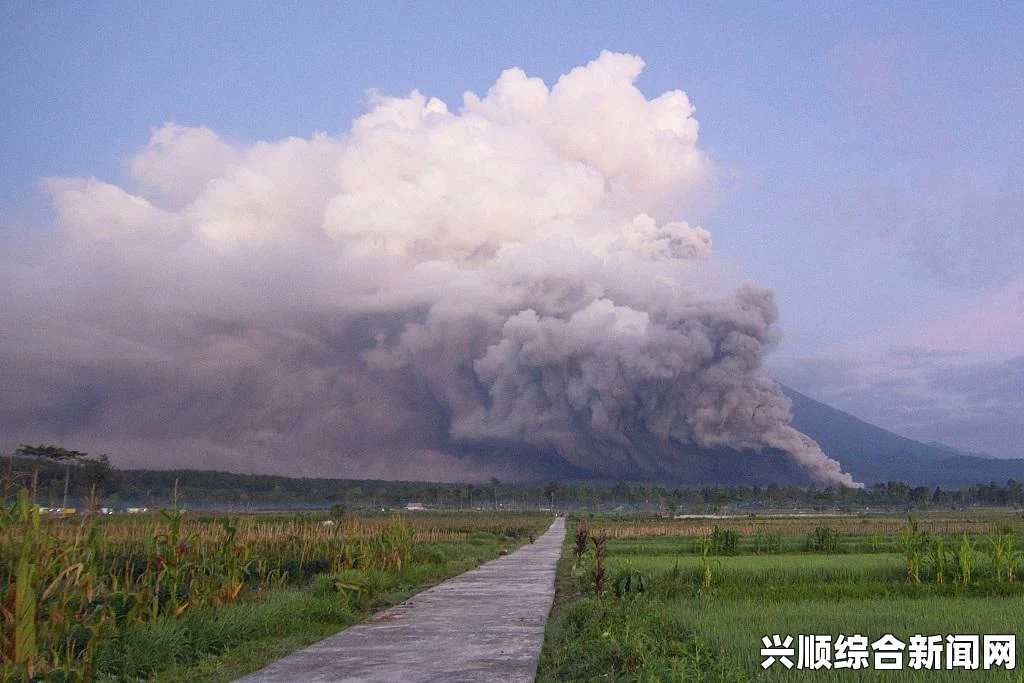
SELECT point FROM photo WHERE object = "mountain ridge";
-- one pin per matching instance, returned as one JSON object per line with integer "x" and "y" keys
{"x": 873, "y": 454}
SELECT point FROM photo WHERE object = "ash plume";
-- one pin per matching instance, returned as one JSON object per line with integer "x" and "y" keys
{"x": 504, "y": 289}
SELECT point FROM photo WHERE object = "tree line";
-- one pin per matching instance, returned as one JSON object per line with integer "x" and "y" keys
{"x": 62, "y": 477}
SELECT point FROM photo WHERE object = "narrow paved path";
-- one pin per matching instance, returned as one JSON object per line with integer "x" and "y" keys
{"x": 484, "y": 625}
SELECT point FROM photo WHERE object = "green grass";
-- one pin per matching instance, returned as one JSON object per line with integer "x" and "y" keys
{"x": 735, "y": 627}
{"x": 789, "y": 544}
{"x": 746, "y": 571}
{"x": 632, "y": 640}
{"x": 141, "y": 651}
{"x": 221, "y": 644}
{"x": 246, "y": 658}
{"x": 805, "y": 576}
{"x": 679, "y": 628}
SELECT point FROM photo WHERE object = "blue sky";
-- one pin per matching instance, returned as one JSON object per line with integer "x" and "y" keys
{"x": 869, "y": 158}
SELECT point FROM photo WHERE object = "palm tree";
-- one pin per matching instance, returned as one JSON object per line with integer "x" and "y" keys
{"x": 56, "y": 454}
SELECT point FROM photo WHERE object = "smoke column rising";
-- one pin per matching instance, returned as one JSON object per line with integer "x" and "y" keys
{"x": 383, "y": 302}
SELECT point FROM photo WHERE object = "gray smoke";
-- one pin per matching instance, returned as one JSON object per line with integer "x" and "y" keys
{"x": 511, "y": 278}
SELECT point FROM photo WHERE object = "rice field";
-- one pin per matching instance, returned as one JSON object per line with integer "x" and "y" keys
{"x": 691, "y": 600}
{"x": 737, "y": 626}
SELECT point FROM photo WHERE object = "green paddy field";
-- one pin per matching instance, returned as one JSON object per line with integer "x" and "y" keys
{"x": 691, "y": 599}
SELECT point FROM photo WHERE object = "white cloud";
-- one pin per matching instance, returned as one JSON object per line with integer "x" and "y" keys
{"x": 516, "y": 270}
{"x": 179, "y": 161}
{"x": 93, "y": 208}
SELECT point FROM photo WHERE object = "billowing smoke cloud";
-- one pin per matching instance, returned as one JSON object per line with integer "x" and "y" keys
{"x": 432, "y": 294}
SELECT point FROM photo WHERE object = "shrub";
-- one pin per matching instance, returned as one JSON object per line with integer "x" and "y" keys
{"x": 628, "y": 582}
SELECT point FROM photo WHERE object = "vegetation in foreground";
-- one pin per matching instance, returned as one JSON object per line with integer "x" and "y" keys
{"x": 677, "y": 608}
{"x": 172, "y": 596}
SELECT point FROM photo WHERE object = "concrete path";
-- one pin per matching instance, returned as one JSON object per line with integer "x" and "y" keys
{"x": 484, "y": 625}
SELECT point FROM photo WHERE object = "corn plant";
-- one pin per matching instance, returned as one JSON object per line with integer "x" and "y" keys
{"x": 597, "y": 572}
{"x": 759, "y": 542}
{"x": 939, "y": 559}
{"x": 724, "y": 541}
{"x": 911, "y": 543}
{"x": 233, "y": 560}
{"x": 965, "y": 558}
{"x": 875, "y": 543}
{"x": 824, "y": 539}
{"x": 1004, "y": 557}
{"x": 1013, "y": 557}
{"x": 53, "y": 613}
{"x": 705, "y": 550}
{"x": 67, "y": 586}
{"x": 21, "y": 526}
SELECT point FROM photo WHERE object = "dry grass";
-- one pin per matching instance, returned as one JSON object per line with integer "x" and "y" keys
{"x": 748, "y": 526}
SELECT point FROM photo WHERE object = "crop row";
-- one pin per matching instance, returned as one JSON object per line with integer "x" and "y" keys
{"x": 704, "y": 527}
{"x": 67, "y": 586}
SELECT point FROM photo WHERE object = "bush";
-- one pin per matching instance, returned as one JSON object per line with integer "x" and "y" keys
{"x": 628, "y": 582}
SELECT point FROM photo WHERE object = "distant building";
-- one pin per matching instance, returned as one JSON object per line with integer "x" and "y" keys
{"x": 411, "y": 507}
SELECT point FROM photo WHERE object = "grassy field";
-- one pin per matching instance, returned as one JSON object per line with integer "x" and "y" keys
{"x": 172, "y": 596}
{"x": 664, "y": 603}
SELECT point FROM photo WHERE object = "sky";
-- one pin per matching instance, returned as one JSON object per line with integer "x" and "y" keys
{"x": 864, "y": 162}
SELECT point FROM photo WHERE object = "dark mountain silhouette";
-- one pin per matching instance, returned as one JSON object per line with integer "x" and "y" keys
{"x": 872, "y": 454}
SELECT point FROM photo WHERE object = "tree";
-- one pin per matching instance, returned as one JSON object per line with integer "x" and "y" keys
{"x": 95, "y": 480}
{"x": 56, "y": 454}
{"x": 620, "y": 493}
{"x": 1015, "y": 492}
{"x": 550, "y": 489}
